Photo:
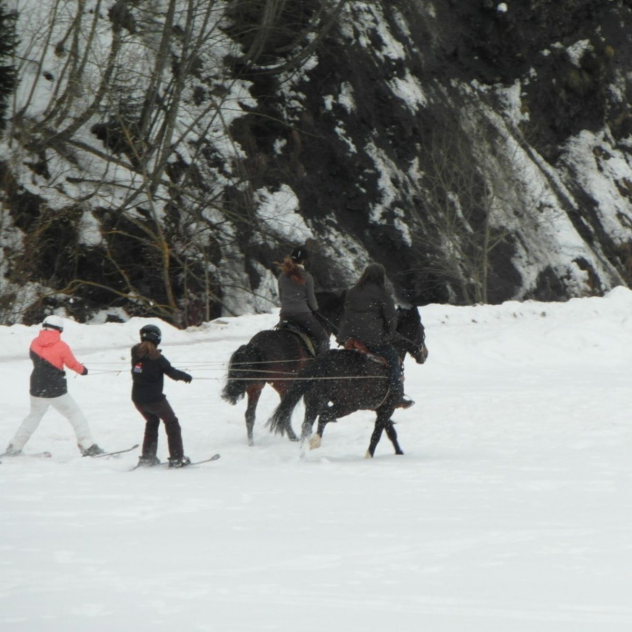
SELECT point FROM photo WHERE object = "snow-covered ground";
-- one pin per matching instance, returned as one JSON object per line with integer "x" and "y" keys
{"x": 510, "y": 512}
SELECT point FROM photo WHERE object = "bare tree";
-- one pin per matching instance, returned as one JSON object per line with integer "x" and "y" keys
{"x": 464, "y": 199}
{"x": 125, "y": 114}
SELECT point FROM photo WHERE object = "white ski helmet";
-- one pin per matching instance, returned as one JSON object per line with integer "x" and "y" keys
{"x": 53, "y": 322}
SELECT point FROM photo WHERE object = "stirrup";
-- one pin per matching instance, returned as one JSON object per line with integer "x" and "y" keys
{"x": 405, "y": 402}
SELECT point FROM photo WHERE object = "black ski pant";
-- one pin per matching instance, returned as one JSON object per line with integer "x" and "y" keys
{"x": 153, "y": 412}
{"x": 394, "y": 367}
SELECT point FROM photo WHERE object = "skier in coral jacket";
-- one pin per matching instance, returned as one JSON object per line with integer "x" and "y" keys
{"x": 50, "y": 355}
{"x": 149, "y": 367}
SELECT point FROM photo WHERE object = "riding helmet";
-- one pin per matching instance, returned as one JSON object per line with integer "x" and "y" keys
{"x": 53, "y": 322}
{"x": 299, "y": 255}
{"x": 151, "y": 333}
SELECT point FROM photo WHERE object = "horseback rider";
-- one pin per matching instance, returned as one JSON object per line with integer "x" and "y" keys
{"x": 298, "y": 301}
{"x": 370, "y": 318}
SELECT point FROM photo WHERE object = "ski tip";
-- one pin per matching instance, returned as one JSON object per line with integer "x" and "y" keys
{"x": 212, "y": 458}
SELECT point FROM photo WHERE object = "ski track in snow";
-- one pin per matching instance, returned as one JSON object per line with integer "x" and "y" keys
{"x": 510, "y": 511}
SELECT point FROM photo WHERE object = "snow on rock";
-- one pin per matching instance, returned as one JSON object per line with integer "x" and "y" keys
{"x": 278, "y": 211}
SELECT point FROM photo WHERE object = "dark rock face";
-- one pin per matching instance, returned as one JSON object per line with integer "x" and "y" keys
{"x": 559, "y": 60}
{"x": 481, "y": 150}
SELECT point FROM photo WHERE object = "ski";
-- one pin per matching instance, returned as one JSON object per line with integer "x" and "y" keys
{"x": 166, "y": 464}
{"x": 34, "y": 455}
{"x": 96, "y": 456}
{"x": 213, "y": 458}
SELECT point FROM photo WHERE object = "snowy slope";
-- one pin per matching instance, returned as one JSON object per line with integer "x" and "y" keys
{"x": 509, "y": 512}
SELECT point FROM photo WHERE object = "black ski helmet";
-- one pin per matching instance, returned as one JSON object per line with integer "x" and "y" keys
{"x": 299, "y": 255}
{"x": 151, "y": 333}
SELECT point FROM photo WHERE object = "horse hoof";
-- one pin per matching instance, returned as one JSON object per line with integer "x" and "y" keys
{"x": 399, "y": 453}
{"x": 295, "y": 439}
{"x": 314, "y": 442}
{"x": 368, "y": 455}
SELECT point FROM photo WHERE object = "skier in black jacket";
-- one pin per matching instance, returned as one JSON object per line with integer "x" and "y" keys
{"x": 149, "y": 367}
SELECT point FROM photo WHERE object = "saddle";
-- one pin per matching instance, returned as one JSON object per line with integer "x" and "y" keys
{"x": 293, "y": 328}
{"x": 351, "y": 344}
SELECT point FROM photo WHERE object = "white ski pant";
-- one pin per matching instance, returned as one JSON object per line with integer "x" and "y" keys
{"x": 64, "y": 405}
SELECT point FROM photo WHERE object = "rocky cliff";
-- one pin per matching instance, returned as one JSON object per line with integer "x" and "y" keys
{"x": 482, "y": 151}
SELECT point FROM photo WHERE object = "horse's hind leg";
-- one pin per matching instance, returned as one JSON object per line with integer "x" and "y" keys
{"x": 329, "y": 415}
{"x": 254, "y": 392}
{"x": 291, "y": 435}
{"x": 281, "y": 389}
{"x": 311, "y": 412}
{"x": 392, "y": 435}
{"x": 317, "y": 438}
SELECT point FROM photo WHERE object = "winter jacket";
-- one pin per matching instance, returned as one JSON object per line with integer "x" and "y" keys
{"x": 147, "y": 377}
{"x": 370, "y": 316}
{"x": 297, "y": 298}
{"x": 50, "y": 355}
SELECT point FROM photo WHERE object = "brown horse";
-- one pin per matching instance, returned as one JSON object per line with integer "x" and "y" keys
{"x": 340, "y": 382}
{"x": 274, "y": 357}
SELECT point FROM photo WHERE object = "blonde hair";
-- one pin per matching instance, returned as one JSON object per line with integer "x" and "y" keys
{"x": 147, "y": 349}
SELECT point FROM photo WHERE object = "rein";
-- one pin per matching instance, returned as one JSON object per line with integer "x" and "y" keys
{"x": 311, "y": 379}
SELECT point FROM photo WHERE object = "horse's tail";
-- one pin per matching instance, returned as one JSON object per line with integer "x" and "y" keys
{"x": 281, "y": 416}
{"x": 240, "y": 374}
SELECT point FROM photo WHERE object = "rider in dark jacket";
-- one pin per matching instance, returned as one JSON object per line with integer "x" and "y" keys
{"x": 370, "y": 318}
{"x": 298, "y": 301}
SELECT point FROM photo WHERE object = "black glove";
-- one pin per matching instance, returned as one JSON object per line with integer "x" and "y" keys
{"x": 85, "y": 370}
{"x": 186, "y": 377}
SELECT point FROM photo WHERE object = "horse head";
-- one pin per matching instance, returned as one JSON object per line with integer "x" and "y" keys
{"x": 410, "y": 334}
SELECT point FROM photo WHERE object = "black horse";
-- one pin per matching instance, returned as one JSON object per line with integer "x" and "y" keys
{"x": 274, "y": 357}
{"x": 340, "y": 382}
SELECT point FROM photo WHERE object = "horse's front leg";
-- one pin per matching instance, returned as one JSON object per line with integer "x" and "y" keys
{"x": 383, "y": 422}
{"x": 254, "y": 392}
{"x": 375, "y": 438}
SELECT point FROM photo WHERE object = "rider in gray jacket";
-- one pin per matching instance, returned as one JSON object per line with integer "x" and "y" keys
{"x": 298, "y": 301}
